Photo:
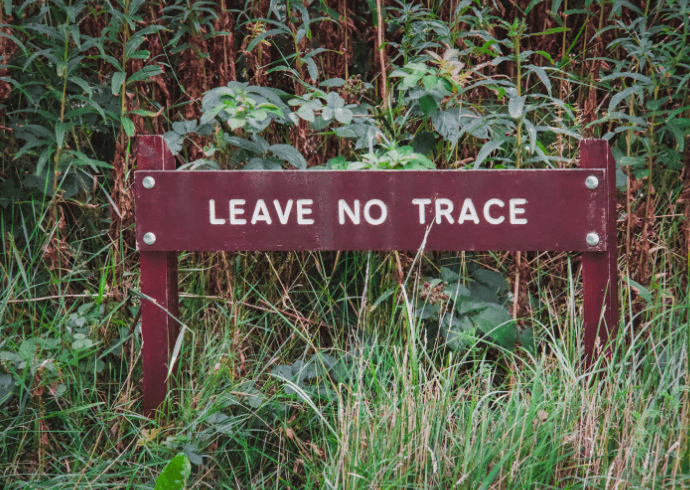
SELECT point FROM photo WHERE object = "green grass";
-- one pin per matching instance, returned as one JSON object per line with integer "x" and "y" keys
{"x": 396, "y": 410}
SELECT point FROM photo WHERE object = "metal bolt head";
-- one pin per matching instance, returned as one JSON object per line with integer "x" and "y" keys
{"x": 148, "y": 182}
{"x": 592, "y": 239}
{"x": 592, "y": 182}
{"x": 150, "y": 238}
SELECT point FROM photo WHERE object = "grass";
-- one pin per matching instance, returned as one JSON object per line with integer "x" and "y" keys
{"x": 372, "y": 402}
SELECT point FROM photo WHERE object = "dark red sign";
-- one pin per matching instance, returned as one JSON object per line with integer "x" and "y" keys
{"x": 370, "y": 210}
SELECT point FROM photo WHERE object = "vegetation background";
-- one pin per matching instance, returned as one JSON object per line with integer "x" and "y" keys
{"x": 340, "y": 370}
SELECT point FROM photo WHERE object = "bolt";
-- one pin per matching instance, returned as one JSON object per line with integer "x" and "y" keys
{"x": 150, "y": 238}
{"x": 592, "y": 239}
{"x": 592, "y": 182}
{"x": 148, "y": 182}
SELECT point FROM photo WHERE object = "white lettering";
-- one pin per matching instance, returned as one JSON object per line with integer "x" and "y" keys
{"x": 515, "y": 210}
{"x": 421, "y": 203}
{"x": 468, "y": 212}
{"x": 283, "y": 216}
{"x": 343, "y": 209}
{"x": 234, "y": 211}
{"x": 301, "y": 211}
{"x": 487, "y": 216}
{"x": 443, "y": 208}
{"x": 212, "y": 213}
{"x": 261, "y": 213}
{"x": 367, "y": 208}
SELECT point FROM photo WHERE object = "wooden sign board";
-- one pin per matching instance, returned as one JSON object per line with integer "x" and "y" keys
{"x": 370, "y": 210}
{"x": 547, "y": 210}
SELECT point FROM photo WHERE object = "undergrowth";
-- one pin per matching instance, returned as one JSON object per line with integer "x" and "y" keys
{"x": 340, "y": 370}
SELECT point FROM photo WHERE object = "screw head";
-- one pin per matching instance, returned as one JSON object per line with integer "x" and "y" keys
{"x": 592, "y": 239}
{"x": 592, "y": 182}
{"x": 150, "y": 238}
{"x": 148, "y": 182}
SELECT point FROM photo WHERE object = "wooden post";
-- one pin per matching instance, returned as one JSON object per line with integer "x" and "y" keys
{"x": 600, "y": 269}
{"x": 159, "y": 329}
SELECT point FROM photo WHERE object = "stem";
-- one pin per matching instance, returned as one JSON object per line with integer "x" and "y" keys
{"x": 345, "y": 22}
{"x": 62, "y": 114}
{"x": 382, "y": 54}
{"x": 125, "y": 35}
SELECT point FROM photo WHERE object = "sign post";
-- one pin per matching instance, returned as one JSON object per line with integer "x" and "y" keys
{"x": 527, "y": 210}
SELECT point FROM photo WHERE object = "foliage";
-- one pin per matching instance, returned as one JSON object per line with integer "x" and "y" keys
{"x": 339, "y": 370}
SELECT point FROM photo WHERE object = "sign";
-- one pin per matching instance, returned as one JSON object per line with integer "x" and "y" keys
{"x": 370, "y": 210}
{"x": 549, "y": 210}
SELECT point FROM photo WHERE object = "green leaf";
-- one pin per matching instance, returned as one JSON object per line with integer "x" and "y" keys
{"x": 343, "y": 115}
{"x": 553, "y": 30}
{"x": 144, "y": 73}
{"x": 83, "y": 84}
{"x": 497, "y": 323}
{"x": 642, "y": 291}
{"x": 332, "y": 82}
{"x": 541, "y": 73}
{"x": 313, "y": 69}
{"x": 290, "y": 155}
{"x": 6, "y": 386}
{"x": 175, "y": 474}
{"x": 236, "y": 123}
{"x": 430, "y": 82}
{"x": 60, "y": 129}
{"x": 383, "y": 298}
{"x": 486, "y": 151}
{"x": 306, "y": 113}
{"x": 516, "y": 106}
{"x": 457, "y": 332}
{"x": 428, "y": 105}
{"x": 264, "y": 35}
{"x": 424, "y": 142}
{"x": 616, "y": 99}
{"x": 128, "y": 126}
{"x": 117, "y": 81}
{"x": 409, "y": 81}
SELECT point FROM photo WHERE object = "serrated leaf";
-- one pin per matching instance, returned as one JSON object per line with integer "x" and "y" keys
{"x": 430, "y": 82}
{"x": 409, "y": 81}
{"x": 428, "y": 105}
